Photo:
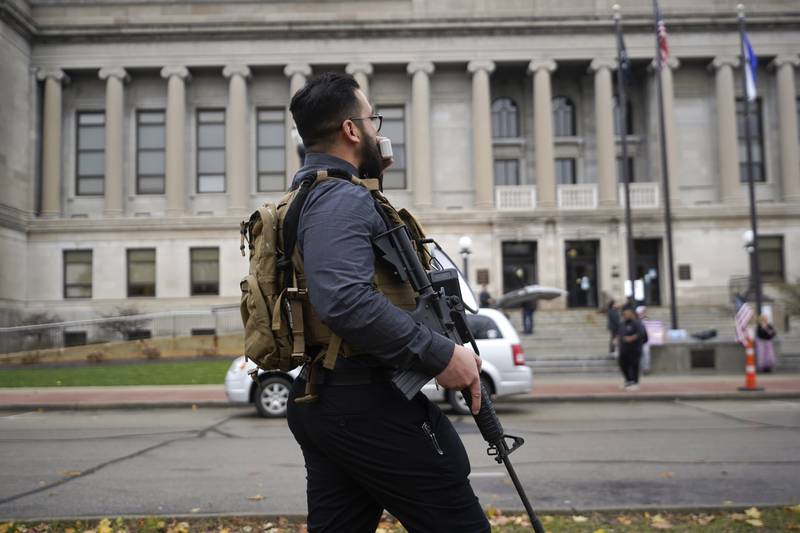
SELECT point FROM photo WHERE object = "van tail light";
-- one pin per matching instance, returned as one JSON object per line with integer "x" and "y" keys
{"x": 519, "y": 354}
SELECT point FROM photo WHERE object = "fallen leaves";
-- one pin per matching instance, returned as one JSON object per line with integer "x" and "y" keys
{"x": 70, "y": 473}
{"x": 578, "y": 519}
{"x": 755, "y": 522}
{"x": 753, "y": 513}
{"x": 256, "y": 498}
{"x": 659, "y": 522}
{"x": 666, "y": 474}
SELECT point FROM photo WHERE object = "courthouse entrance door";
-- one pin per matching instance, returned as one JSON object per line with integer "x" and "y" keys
{"x": 648, "y": 268}
{"x": 581, "y": 263}
{"x": 519, "y": 264}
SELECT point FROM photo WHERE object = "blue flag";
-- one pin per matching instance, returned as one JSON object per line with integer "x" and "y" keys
{"x": 750, "y": 66}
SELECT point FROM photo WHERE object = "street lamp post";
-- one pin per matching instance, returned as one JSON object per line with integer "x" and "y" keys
{"x": 465, "y": 245}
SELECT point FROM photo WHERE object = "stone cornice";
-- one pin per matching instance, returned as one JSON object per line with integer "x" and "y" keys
{"x": 17, "y": 18}
{"x": 293, "y": 29}
{"x": 711, "y": 214}
{"x": 13, "y": 218}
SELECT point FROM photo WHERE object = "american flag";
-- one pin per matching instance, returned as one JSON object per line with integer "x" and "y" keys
{"x": 661, "y": 32}
{"x": 744, "y": 315}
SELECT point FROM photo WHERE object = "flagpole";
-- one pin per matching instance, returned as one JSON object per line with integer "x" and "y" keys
{"x": 755, "y": 270}
{"x": 673, "y": 309}
{"x": 622, "y": 102}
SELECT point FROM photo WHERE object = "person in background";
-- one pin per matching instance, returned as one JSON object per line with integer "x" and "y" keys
{"x": 527, "y": 316}
{"x": 612, "y": 325}
{"x": 485, "y": 298}
{"x": 765, "y": 348}
{"x": 644, "y": 363}
{"x": 630, "y": 338}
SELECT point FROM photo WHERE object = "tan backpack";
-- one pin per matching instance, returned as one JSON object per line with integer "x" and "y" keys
{"x": 282, "y": 330}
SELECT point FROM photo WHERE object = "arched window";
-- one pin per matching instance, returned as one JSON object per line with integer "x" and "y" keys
{"x": 505, "y": 118}
{"x": 563, "y": 117}
{"x": 618, "y": 118}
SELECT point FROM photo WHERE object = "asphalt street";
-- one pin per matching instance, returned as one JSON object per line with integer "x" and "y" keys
{"x": 227, "y": 460}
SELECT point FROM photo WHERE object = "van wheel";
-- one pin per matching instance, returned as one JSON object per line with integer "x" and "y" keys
{"x": 457, "y": 402}
{"x": 272, "y": 397}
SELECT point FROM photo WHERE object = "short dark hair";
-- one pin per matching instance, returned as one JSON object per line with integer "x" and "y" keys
{"x": 322, "y": 105}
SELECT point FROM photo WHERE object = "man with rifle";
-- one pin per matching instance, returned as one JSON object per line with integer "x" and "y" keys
{"x": 367, "y": 447}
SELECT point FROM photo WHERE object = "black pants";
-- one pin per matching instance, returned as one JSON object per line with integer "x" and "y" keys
{"x": 366, "y": 450}
{"x": 629, "y": 364}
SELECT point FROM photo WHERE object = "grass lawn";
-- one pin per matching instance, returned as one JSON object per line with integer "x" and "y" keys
{"x": 192, "y": 372}
{"x": 728, "y": 521}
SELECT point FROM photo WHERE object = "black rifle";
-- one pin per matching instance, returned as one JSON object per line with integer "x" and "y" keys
{"x": 440, "y": 307}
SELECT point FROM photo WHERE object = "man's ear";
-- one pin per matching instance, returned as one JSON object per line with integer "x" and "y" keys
{"x": 351, "y": 132}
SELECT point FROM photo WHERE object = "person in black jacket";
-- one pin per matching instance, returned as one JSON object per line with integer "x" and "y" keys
{"x": 630, "y": 338}
{"x": 366, "y": 448}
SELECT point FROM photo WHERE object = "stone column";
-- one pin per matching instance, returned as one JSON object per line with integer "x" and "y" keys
{"x": 115, "y": 78}
{"x": 175, "y": 166}
{"x": 671, "y": 143}
{"x": 297, "y": 74}
{"x": 51, "y": 141}
{"x": 787, "y": 118}
{"x": 236, "y": 139}
{"x": 483, "y": 161}
{"x": 604, "y": 124}
{"x": 543, "y": 132}
{"x": 730, "y": 188}
{"x": 420, "y": 72}
{"x": 361, "y": 72}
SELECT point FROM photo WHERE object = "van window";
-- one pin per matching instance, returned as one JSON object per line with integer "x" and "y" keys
{"x": 483, "y": 327}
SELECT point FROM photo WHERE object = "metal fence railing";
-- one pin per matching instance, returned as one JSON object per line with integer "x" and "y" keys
{"x": 215, "y": 321}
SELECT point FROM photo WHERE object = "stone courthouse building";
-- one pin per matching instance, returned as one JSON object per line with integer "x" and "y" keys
{"x": 136, "y": 134}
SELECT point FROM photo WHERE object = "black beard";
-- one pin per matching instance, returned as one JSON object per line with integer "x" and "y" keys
{"x": 371, "y": 160}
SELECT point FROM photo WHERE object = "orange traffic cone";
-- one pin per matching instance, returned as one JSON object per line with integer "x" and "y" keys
{"x": 750, "y": 368}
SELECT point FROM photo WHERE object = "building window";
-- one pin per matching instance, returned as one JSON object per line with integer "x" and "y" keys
{"x": 91, "y": 147}
{"x": 77, "y": 273}
{"x": 631, "y": 174}
{"x": 565, "y": 171}
{"x": 271, "y": 145}
{"x": 210, "y": 150}
{"x": 506, "y": 172}
{"x": 770, "y": 257}
{"x": 618, "y": 117}
{"x": 205, "y": 270}
{"x": 563, "y": 117}
{"x": 394, "y": 127}
{"x": 505, "y": 118}
{"x": 142, "y": 272}
{"x": 756, "y": 138}
{"x": 151, "y": 149}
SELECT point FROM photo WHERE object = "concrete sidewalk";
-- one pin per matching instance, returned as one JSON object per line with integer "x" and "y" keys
{"x": 547, "y": 388}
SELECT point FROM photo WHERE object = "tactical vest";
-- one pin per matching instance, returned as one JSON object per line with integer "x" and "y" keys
{"x": 282, "y": 329}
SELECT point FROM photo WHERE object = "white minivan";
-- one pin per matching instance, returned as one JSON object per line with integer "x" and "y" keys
{"x": 504, "y": 371}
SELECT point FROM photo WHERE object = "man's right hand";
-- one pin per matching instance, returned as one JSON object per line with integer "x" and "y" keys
{"x": 462, "y": 372}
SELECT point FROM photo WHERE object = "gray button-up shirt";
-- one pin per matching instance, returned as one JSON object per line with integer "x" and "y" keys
{"x": 334, "y": 236}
